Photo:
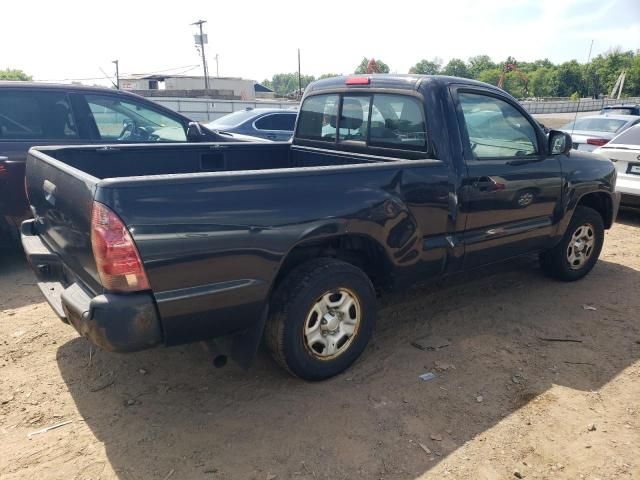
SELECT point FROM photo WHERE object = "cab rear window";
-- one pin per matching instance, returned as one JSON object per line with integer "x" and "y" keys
{"x": 376, "y": 120}
{"x": 318, "y": 116}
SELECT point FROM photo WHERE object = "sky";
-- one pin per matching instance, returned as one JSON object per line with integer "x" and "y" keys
{"x": 60, "y": 40}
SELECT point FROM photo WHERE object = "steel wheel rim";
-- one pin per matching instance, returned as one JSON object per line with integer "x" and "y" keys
{"x": 581, "y": 246}
{"x": 332, "y": 324}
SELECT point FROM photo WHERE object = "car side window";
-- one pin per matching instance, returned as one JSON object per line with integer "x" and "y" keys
{"x": 496, "y": 128}
{"x": 265, "y": 123}
{"x": 277, "y": 121}
{"x": 128, "y": 121}
{"x": 37, "y": 115}
{"x": 284, "y": 121}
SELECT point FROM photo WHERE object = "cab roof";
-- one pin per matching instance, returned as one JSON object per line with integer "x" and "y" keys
{"x": 394, "y": 81}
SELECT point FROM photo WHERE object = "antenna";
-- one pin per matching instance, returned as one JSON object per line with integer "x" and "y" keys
{"x": 575, "y": 118}
{"x": 108, "y": 77}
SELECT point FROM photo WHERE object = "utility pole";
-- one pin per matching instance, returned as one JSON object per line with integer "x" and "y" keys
{"x": 201, "y": 40}
{"x": 299, "y": 76}
{"x": 117, "y": 75}
{"x": 217, "y": 71}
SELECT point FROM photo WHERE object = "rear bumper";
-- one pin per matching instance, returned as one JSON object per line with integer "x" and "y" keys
{"x": 113, "y": 322}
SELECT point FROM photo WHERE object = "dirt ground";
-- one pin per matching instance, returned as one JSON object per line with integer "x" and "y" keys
{"x": 506, "y": 403}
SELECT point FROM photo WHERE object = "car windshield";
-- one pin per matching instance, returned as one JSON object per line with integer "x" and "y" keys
{"x": 596, "y": 124}
{"x": 232, "y": 120}
{"x": 620, "y": 111}
{"x": 630, "y": 136}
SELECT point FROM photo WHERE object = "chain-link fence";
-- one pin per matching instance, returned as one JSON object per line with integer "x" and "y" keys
{"x": 570, "y": 106}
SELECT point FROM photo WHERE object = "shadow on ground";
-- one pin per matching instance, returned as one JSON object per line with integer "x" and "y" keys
{"x": 629, "y": 216}
{"x": 181, "y": 414}
{"x": 18, "y": 281}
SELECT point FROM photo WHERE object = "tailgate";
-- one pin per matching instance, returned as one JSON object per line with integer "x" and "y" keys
{"x": 61, "y": 199}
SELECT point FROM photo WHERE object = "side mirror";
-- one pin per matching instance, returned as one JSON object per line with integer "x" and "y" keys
{"x": 559, "y": 142}
{"x": 194, "y": 132}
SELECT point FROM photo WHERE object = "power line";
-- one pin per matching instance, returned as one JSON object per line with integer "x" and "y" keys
{"x": 188, "y": 67}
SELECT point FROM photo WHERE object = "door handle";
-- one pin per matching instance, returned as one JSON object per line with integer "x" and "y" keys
{"x": 524, "y": 161}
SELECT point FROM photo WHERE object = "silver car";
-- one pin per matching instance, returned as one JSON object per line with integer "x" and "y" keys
{"x": 593, "y": 131}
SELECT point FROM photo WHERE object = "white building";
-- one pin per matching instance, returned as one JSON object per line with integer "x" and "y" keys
{"x": 232, "y": 87}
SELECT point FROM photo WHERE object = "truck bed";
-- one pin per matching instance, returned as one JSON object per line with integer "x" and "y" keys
{"x": 142, "y": 160}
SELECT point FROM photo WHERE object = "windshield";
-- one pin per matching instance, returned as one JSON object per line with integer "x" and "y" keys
{"x": 630, "y": 136}
{"x": 620, "y": 111}
{"x": 593, "y": 124}
{"x": 232, "y": 120}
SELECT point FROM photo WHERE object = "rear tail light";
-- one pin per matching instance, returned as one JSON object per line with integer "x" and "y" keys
{"x": 597, "y": 141}
{"x": 117, "y": 258}
{"x": 358, "y": 81}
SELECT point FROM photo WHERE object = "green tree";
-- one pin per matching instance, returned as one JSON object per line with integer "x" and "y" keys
{"x": 569, "y": 79}
{"x": 365, "y": 67}
{"x": 490, "y": 76}
{"x": 608, "y": 67}
{"x": 329, "y": 75}
{"x": 427, "y": 67}
{"x": 542, "y": 82}
{"x": 480, "y": 63}
{"x": 456, "y": 68}
{"x": 287, "y": 83}
{"x": 14, "y": 74}
{"x": 545, "y": 78}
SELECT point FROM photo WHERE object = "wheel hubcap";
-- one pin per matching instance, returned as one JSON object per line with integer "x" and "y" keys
{"x": 581, "y": 246}
{"x": 332, "y": 324}
{"x": 525, "y": 199}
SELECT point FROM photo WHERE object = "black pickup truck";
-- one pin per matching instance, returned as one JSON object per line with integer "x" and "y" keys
{"x": 388, "y": 180}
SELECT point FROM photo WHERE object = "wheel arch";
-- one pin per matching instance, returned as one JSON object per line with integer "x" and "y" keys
{"x": 602, "y": 203}
{"x": 360, "y": 250}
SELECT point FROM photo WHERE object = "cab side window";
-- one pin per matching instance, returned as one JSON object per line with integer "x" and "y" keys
{"x": 496, "y": 129}
{"x": 33, "y": 115}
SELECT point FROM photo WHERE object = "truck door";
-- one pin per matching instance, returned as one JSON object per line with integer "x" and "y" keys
{"x": 512, "y": 185}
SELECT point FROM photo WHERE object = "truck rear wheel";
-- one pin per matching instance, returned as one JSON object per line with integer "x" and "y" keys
{"x": 579, "y": 249}
{"x": 322, "y": 317}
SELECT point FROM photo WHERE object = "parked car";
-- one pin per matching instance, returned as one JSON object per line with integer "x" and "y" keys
{"x": 271, "y": 123}
{"x": 45, "y": 114}
{"x": 624, "y": 152}
{"x": 621, "y": 109}
{"x": 384, "y": 184}
{"x": 593, "y": 131}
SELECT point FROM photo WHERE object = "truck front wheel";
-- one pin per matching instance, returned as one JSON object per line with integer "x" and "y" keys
{"x": 579, "y": 249}
{"x": 322, "y": 317}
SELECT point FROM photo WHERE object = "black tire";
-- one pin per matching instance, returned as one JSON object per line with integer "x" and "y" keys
{"x": 291, "y": 305}
{"x": 555, "y": 262}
